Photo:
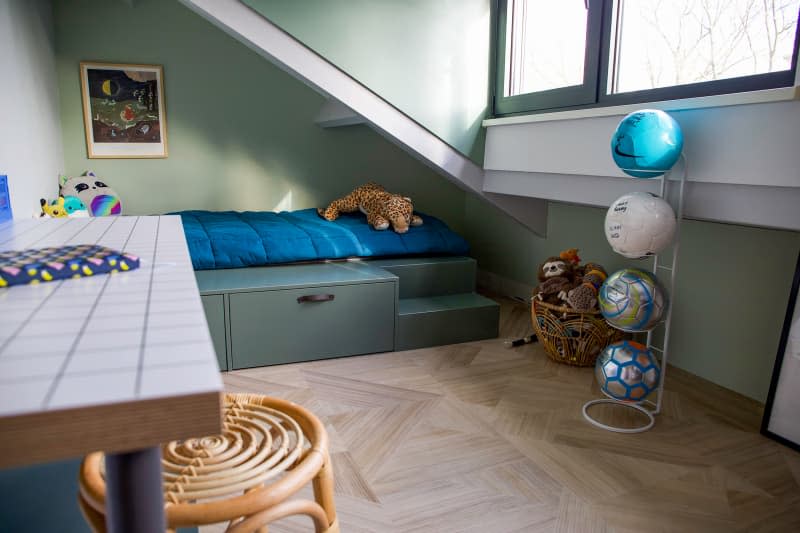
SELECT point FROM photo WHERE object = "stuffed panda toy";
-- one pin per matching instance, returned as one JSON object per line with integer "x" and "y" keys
{"x": 99, "y": 198}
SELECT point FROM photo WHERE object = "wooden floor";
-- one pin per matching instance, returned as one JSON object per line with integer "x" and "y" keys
{"x": 479, "y": 437}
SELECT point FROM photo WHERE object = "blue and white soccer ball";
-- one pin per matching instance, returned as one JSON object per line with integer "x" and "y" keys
{"x": 632, "y": 300}
{"x": 627, "y": 371}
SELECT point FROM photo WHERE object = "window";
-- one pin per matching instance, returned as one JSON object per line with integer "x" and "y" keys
{"x": 604, "y": 52}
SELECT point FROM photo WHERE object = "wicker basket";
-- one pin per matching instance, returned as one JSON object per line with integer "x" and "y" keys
{"x": 569, "y": 336}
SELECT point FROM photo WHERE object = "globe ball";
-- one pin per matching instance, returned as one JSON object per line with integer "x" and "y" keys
{"x": 647, "y": 143}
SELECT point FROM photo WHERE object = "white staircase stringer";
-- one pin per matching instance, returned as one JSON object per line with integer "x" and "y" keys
{"x": 302, "y": 63}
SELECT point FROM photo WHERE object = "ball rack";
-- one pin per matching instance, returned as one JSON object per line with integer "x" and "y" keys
{"x": 649, "y": 407}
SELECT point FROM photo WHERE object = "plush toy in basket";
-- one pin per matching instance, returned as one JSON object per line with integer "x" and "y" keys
{"x": 564, "y": 310}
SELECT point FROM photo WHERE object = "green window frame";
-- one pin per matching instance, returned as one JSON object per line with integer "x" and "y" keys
{"x": 602, "y": 45}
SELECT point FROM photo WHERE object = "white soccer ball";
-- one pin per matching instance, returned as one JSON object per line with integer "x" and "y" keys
{"x": 639, "y": 224}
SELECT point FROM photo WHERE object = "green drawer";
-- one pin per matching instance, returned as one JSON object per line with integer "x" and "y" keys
{"x": 215, "y": 315}
{"x": 272, "y": 327}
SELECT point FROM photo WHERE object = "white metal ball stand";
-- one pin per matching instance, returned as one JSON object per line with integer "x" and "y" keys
{"x": 647, "y": 407}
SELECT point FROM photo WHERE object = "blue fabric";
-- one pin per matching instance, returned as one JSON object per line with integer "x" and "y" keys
{"x": 230, "y": 239}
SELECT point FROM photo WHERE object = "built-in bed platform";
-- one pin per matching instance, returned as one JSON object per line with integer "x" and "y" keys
{"x": 262, "y": 315}
{"x": 280, "y": 314}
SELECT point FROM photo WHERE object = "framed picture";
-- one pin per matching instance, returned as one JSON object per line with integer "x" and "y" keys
{"x": 123, "y": 110}
{"x": 781, "y": 420}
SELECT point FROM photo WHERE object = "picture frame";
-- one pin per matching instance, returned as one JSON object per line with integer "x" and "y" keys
{"x": 124, "y": 112}
{"x": 780, "y": 421}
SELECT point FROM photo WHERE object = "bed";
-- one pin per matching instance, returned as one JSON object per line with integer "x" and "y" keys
{"x": 282, "y": 288}
{"x": 230, "y": 239}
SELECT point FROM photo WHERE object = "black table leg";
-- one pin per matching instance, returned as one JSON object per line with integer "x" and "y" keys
{"x": 135, "y": 497}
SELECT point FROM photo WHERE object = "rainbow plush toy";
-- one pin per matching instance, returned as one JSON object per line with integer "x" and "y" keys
{"x": 99, "y": 198}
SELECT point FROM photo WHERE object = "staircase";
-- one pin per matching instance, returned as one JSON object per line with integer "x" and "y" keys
{"x": 350, "y": 102}
{"x": 438, "y": 303}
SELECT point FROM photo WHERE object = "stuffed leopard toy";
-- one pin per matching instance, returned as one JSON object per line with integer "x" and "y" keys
{"x": 382, "y": 208}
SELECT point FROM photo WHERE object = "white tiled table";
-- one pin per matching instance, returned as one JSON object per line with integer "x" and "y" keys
{"x": 119, "y": 363}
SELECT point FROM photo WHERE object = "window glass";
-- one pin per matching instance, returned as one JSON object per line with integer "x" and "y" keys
{"x": 664, "y": 43}
{"x": 546, "y": 45}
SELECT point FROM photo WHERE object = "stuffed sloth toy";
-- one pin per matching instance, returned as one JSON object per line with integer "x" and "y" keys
{"x": 382, "y": 208}
{"x": 564, "y": 281}
{"x": 556, "y": 278}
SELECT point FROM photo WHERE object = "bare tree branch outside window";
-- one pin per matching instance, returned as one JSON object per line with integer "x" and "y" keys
{"x": 675, "y": 42}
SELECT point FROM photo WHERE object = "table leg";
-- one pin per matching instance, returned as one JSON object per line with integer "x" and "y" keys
{"x": 135, "y": 497}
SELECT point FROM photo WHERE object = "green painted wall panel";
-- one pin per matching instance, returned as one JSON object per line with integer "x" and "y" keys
{"x": 240, "y": 131}
{"x": 732, "y": 287}
{"x": 430, "y": 59}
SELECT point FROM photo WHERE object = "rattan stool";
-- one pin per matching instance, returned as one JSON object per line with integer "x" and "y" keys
{"x": 268, "y": 450}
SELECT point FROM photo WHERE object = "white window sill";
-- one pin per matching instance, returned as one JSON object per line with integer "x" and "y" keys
{"x": 720, "y": 100}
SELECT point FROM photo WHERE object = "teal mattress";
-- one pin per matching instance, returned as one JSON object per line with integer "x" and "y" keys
{"x": 231, "y": 239}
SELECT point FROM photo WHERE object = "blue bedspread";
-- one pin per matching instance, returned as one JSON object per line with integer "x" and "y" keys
{"x": 230, "y": 239}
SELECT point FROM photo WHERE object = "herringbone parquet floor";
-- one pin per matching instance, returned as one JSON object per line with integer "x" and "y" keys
{"x": 478, "y": 437}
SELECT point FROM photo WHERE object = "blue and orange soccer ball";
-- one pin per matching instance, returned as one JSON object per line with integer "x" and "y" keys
{"x": 627, "y": 371}
{"x": 632, "y": 300}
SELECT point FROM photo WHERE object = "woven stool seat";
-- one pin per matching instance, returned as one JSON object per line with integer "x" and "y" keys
{"x": 268, "y": 450}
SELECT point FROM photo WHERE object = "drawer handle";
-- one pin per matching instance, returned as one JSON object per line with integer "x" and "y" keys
{"x": 315, "y": 298}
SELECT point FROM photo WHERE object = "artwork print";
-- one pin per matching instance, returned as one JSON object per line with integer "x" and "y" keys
{"x": 123, "y": 108}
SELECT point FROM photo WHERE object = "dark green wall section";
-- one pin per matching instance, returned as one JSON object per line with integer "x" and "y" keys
{"x": 429, "y": 58}
{"x": 44, "y": 499}
{"x": 240, "y": 131}
{"x": 41, "y": 498}
{"x": 732, "y": 287}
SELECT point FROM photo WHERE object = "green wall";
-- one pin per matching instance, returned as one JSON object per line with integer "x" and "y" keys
{"x": 240, "y": 131}
{"x": 429, "y": 58}
{"x": 731, "y": 291}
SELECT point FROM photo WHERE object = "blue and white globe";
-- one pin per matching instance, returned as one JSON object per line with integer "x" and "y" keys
{"x": 627, "y": 371}
{"x": 647, "y": 143}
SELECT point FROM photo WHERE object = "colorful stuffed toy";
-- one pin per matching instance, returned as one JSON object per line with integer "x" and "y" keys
{"x": 53, "y": 210}
{"x": 93, "y": 192}
{"x": 571, "y": 255}
{"x": 583, "y": 297}
{"x": 74, "y": 207}
{"x": 382, "y": 208}
{"x": 69, "y": 206}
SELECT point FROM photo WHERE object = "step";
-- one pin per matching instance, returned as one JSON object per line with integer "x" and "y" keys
{"x": 445, "y": 319}
{"x": 431, "y": 276}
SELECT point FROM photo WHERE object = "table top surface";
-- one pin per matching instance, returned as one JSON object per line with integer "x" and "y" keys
{"x": 119, "y": 338}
